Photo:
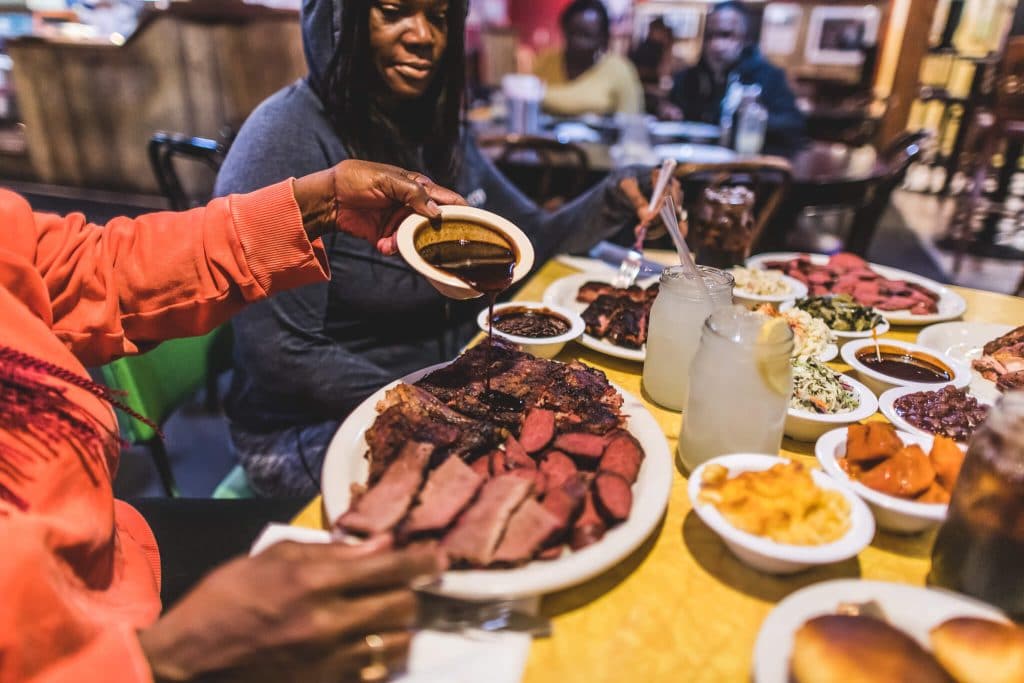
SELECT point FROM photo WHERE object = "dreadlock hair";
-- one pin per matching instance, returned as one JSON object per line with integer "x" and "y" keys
{"x": 432, "y": 121}
{"x": 37, "y": 414}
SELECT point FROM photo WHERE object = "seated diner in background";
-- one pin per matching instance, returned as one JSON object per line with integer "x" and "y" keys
{"x": 80, "y": 571}
{"x": 727, "y": 58}
{"x": 583, "y": 77}
{"x": 305, "y": 359}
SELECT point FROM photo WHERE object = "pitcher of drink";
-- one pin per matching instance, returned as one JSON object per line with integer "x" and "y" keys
{"x": 980, "y": 549}
{"x": 740, "y": 383}
{"x": 673, "y": 332}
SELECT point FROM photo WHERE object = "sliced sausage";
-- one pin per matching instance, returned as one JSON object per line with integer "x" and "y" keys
{"x": 589, "y": 527}
{"x": 538, "y": 429}
{"x": 612, "y": 496}
{"x": 516, "y": 456}
{"x": 588, "y": 447}
{"x": 558, "y": 466}
{"x": 623, "y": 456}
{"x": 499, "y": 462}
{"x": 482, "y": 466}
{"x": 552, "y": 553}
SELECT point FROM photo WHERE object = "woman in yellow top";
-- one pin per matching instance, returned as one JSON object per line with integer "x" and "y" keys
{"x": 584, "y": 77}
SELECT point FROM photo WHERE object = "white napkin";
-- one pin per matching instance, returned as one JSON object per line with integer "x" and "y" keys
{"x": 437, "y": 657}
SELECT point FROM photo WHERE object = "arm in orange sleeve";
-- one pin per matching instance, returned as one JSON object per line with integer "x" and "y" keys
{"x": 120, "y": 288}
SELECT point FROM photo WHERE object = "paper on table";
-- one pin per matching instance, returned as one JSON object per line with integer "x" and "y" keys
{"x": 435, "y": 656}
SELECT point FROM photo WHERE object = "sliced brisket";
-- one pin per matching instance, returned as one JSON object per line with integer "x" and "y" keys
{"x": 448, "y": 490}
{"x": 477, "y": 532}
{"x": 385, "y": 503}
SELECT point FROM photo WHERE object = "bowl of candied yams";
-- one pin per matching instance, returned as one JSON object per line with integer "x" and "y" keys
{"x": 906, "y": 479}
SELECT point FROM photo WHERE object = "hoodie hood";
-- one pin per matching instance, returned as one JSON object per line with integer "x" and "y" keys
{"x": 321, "y": 30}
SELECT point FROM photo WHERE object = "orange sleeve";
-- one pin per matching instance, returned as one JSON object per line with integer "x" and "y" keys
{"x": 126, "y": 286}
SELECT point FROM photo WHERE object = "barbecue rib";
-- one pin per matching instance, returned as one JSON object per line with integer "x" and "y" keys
{"x": 408, "y": 412}
{"x": 1003, "y": 362}
{"x": 618, "y": 315}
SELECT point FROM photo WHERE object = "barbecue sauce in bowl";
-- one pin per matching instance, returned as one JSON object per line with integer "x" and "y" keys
{"x": 530, "y": 322}
{"x": 905, "y": 365}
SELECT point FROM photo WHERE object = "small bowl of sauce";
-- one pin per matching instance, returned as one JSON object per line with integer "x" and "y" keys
{"x": 901, "y": 364}
{"x": 472, "y": 253}
{"x": 540, "y": 329}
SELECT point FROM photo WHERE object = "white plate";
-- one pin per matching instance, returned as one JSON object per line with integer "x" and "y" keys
{"x": 891, "y": 513}
{"x": 694, "y": 153}
{"x": 828, "y": 353}
{"x": 887, "y": 401}
{"x": 345, "y": 464}
{"x": 797, "y": 290}
{"x": 911, "y": 609}
{"x": 771, "y": 556}
{"x": 964, "y": 341}
{"x": 693, "y": 130}
{"x": 951, "y": 305}
{"x": 562, "y": 292}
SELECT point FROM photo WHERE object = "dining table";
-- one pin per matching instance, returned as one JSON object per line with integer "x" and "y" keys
{"x": 681, "y": 606}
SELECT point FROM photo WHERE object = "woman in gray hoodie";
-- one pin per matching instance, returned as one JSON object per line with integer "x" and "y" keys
{"x": 386, "y": 83}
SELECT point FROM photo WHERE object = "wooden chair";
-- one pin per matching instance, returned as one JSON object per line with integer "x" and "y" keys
{"x": 768, "y": 177}
{"x": 897, "y": 156}
{"x": 996, "y": 126}
{"x": 550, "y": 172}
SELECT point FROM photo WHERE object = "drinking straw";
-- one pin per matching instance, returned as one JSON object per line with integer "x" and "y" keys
{"x": 671, "y": 221}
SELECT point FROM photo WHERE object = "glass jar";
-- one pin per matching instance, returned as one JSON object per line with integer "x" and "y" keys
{"x": 725, "y": 226}
{"x": 741, "y": 380}
{"x": 673, "y": 332}
{"x": 980, "y": 548}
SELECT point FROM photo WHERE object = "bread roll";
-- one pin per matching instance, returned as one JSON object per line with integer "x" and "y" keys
{"x": 980, "y": 651}
{"x": 839, "y": 648}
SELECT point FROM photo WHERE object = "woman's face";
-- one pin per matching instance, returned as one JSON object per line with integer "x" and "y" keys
{"x": 408, "y": 38}
{"x": 584, "y": 36}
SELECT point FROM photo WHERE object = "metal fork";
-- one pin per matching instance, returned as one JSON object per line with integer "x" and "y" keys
{"x": 629, "y": 269}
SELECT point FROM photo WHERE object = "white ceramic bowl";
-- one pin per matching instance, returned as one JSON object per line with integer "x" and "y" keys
{"x": 880, "y": 383}
{"x": 797, "y": 290}
{"x": 542, "y": 347}
{"x": 887, "y": 404}
{"x": 891, "y": 513}
{"x": 770, "y": 556}
{"x": 804, "y": 425}
{"x": 843, "y": 337}
{"x": 416, "y": 231}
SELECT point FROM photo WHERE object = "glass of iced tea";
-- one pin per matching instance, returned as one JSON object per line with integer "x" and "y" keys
{"x": 725, "y": 226}
{"x": 980, "y": 548}
{"x": 740, "y": 382}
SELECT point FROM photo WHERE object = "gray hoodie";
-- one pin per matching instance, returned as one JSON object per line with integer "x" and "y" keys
{"x": 310, "y": 355}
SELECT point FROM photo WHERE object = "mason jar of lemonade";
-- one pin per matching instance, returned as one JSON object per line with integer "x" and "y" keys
{"x": 673, "y": 332}
{"x": 740, "y": 383}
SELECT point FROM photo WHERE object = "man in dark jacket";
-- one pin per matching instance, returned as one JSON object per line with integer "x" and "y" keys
{"x": 728, "y": 58}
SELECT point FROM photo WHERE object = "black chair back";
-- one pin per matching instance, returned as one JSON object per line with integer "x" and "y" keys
{"x": 548, "y": 171}
{"x": 164, "y": 151}
{"x": 897, "y": 156}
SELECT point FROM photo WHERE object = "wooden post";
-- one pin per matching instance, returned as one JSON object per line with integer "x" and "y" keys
{"x": 904, "y": 46}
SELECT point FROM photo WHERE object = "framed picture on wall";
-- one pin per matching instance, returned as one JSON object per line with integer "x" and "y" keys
{"x": 780, "y": 28}
{"x": 838, "y": 35}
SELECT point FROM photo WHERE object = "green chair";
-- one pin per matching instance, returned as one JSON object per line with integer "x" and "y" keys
{"x": 159, "y": 381}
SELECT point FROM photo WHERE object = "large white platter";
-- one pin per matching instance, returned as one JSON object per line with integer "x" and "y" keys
{"x": 951, "y": 305}
{"x": 562, "y": 292}
{"x": 913, "y": 610}
{"x": 346, "y": 464}
{"x": 964, "y": 341}
{"x": 693, "y": 152}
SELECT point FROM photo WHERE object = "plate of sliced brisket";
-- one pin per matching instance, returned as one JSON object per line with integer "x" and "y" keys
{"x": 539, "y": 482}
{"x": 616, "y": 317}
{"x": 904, "y": 298}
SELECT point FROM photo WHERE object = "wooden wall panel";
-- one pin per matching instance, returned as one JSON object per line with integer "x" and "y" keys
{"x": 90, "y": 110}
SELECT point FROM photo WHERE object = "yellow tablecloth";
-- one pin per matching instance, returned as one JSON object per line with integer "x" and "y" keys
{"x": 681, "y": 608}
